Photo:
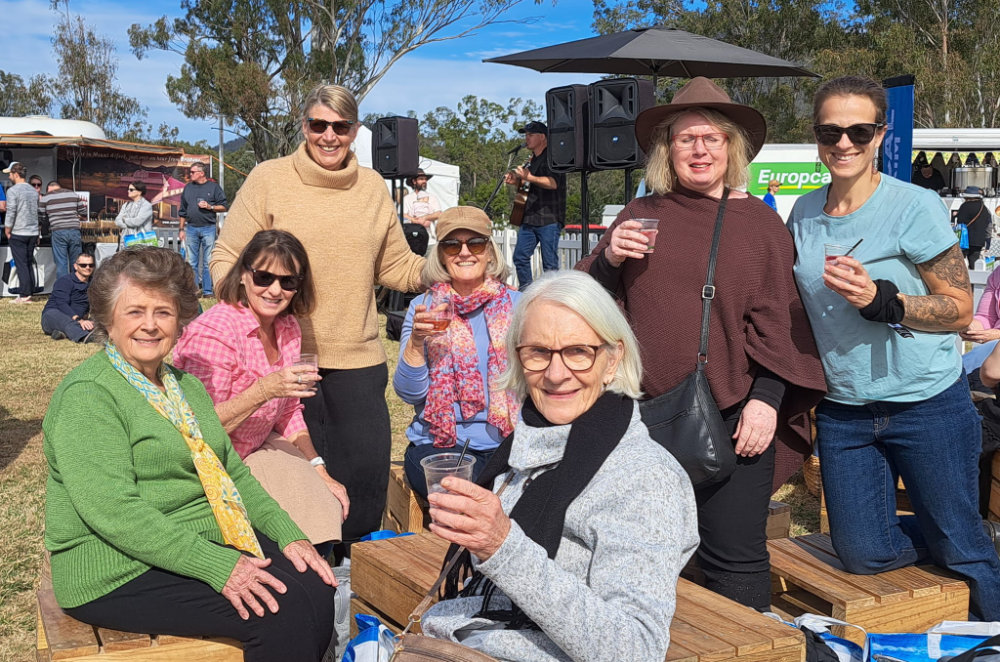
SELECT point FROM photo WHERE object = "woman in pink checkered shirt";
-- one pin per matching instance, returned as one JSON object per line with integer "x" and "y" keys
{"x": 244, "y": 349}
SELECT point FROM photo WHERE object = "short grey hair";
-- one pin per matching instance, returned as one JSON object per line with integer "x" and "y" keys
{"x": 581, "y": 294}
{"x": 435, "y": 271}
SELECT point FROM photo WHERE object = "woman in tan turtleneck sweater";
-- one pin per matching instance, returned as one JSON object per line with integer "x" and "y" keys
{"x": 344, "y": 216}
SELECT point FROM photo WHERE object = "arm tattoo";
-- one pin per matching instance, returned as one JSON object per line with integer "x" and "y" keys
{"x": 937, "y": 312}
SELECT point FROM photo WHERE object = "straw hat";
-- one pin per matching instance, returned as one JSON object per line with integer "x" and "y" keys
{"x": 700, "y": 92}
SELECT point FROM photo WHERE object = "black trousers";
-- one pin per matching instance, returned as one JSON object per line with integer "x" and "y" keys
{"x": 732, "y": 523}
{"x": 22, "y": 250}
{"x": 160, "y": 602}
{"x": 348, "y": 420}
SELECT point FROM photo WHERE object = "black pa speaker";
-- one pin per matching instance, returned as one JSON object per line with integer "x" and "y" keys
{"x": 394, "y": 146}
{"x": 566, "y": 112}
{"x": 614, "y": 105}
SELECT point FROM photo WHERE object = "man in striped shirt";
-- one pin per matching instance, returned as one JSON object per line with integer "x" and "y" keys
{"x": 65, "y": 209}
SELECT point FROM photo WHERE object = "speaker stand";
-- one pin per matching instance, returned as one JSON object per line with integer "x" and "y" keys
{"x": 584, "y": 215}
{"x": 628, "y": 185}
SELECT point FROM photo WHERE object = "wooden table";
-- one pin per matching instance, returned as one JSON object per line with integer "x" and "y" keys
{"x": 391, "y": 576}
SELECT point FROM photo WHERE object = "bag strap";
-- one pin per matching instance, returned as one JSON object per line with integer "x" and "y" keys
{"x": 425, "y": 604}
{"x": 970, "y": 654}
{"x": 708, "y": 291}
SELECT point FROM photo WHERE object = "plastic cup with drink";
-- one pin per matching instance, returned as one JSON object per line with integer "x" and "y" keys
{"x": 650, "y": 228}
{"x": 311, "y": 361}
{"x": 442, "y": 465}
{"x": 440, "y": 309}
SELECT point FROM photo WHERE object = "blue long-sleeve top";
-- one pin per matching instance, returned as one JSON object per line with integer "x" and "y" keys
{"x": 69, "y": 296}
{"x": 411, "y": 384}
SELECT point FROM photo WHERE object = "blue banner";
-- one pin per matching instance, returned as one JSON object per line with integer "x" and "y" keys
{"x": 898, "y": 144}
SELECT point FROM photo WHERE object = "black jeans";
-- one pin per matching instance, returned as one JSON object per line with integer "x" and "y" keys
{"x": 732, "y": 523}
{"x": 22, "y": 249}
{"x": 348, "y": 421}
{"x": 160, "y": 602}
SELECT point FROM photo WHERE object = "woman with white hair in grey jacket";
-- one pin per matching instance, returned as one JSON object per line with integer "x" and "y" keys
{"x": 578, "y": 557}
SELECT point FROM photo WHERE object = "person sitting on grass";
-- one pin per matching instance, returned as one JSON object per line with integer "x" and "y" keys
{"x": 65, "y": 313}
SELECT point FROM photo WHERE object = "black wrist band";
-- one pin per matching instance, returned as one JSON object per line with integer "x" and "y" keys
{"x": 886, "y": 306}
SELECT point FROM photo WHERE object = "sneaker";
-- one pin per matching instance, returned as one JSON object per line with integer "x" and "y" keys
{"x": 57, "y": 334}
{"x": 90, "y": 337}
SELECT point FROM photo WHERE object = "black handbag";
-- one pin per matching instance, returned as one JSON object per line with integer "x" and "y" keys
{"x": 685, "y": 420}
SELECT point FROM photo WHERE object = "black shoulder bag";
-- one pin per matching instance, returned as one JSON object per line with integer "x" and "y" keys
{"x": 685, "y": 420}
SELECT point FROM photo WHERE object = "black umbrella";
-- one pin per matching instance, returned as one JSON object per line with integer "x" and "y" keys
{"x": 655, "y": 51}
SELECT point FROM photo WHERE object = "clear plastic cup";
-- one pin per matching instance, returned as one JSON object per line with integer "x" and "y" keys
{"x": 650, "y": 228}
{"x": 440, "y": 466}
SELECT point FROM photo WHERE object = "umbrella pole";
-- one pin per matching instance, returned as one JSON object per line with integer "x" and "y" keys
{"x": 585, "y": 215}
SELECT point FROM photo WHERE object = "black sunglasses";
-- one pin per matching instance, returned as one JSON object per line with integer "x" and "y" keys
{"x": 263, "y": 278}
{"x": 859, "y": 134}
{"x": 85, "y": 265}
{"x": 37, "y": 184}
{"x": 340, "y": 127}
{"x": 452, "y": 247}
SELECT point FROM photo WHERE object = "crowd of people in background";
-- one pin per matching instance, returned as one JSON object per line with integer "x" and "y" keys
{"x": 214, "y": 494}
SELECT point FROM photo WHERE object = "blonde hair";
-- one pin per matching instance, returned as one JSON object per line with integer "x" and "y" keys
{"x": 660, "y": 175}
{"x": 435, "y": 272}
{"x": 338, "y": 99}
{"x": 580, "y": 294}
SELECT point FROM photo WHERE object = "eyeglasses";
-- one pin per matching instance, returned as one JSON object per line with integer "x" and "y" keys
{"x": 859, "y": 134}
{"x": 577, "y": 358}
{"x": 37, "y": 184}
{"x": 132, "y": 188}
{"x": 452, "y": 247}
{"x": 340, "y": 127}
{"x": 85, "y": 265}
{"x": 263, "y": 278}
{"x": 712, "y": 141}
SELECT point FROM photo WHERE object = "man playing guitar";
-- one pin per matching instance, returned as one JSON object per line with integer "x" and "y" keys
{"x": 544, "y": 206}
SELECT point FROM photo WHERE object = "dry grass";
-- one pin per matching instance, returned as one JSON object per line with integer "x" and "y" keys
{"x": 31, "y": 366}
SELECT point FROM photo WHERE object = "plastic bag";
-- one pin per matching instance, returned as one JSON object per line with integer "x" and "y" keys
{"x": 374, "y": 643}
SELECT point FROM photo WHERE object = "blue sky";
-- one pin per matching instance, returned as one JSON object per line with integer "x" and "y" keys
{"x": 435, "y": 75}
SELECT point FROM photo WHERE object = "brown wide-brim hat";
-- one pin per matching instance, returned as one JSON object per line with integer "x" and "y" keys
{"x": 700, "y": 92}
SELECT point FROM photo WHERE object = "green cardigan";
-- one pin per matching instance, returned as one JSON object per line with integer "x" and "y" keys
{"x": 123, "y": 494}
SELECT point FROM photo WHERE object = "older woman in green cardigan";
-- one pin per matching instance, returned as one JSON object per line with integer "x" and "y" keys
{"x": 153, "y": 521}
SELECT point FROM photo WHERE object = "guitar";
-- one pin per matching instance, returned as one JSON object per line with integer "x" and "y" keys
{"x": 520, "y": 200}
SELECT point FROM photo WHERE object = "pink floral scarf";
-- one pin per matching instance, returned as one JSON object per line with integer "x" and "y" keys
{"x": 453, "y": 364}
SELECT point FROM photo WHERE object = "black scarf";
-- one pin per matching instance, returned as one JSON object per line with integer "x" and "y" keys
{"x": 541, "y": 509}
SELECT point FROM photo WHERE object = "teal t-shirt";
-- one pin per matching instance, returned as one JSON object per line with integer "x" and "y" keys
{"x": 902, "y": 225}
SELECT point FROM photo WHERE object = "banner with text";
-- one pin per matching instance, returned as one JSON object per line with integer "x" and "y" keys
{"x": 794, "y": 178}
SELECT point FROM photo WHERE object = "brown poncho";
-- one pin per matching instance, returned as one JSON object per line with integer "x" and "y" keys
{"x": 757, "y": 317}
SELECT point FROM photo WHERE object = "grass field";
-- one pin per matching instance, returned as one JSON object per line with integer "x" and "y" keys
{"x": 31, "y": 366}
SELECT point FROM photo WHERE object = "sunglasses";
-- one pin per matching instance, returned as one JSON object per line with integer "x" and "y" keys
{"x": 131, "y": 188}
{"x": 263, "y": 278}
{"x": 85, "y": 265}
{"x": 340, "y": 127}
{"x": 452, "y": 247}
{"x": 37, "y": 184}
{"x": 859, "y": 134}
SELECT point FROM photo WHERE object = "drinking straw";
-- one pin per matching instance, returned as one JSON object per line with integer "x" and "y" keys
{"x": 465, "y": 447}
{"x": 848, "y": 253}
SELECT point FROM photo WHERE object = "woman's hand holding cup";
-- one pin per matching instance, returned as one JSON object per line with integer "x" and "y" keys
{"x": 627, "y": 241}
{"x": 294, "y": 381}
{"x": 427, "y": 322}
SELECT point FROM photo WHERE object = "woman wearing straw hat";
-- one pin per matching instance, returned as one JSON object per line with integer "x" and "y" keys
{"x": 763, "y": 370}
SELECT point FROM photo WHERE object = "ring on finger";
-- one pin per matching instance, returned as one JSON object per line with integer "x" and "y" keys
{"x": 299, "y": 379}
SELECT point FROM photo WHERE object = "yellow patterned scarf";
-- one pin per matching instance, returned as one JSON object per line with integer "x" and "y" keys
{"x": 227, "y": 505}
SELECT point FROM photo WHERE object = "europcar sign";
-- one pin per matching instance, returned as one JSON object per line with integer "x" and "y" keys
{"x": 795, "y": 178}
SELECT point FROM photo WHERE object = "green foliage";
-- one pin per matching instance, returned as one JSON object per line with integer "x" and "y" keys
{"x": 20, "y": 98}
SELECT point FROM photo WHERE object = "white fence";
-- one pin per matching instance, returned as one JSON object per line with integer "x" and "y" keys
{"x": 569, "y": 251}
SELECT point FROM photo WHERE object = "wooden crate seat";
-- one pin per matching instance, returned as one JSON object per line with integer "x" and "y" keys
{"x": 62, "y": 637}
{"x": 389, "y": 578}
{"x": 807, "y": 576}
{"x": 405, "y": 510}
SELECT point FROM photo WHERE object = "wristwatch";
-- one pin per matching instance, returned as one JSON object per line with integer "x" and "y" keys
{"x": 318, "y": 461}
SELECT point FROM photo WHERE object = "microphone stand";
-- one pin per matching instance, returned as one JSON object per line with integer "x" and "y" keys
{"x": 510, "y": 161}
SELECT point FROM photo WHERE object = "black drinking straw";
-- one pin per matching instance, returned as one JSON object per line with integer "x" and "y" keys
{"x": 848, "y": 253}
{"x": 465, "y": 447}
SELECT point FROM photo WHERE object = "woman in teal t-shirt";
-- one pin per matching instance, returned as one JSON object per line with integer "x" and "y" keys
{"x": 885, "y": 320}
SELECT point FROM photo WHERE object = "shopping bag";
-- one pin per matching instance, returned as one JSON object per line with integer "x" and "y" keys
{"x": 925, "y": 647}
{"x": 374, "y": 643}
{"x": 962, "y": 231}
{"x": 147, "y": 238}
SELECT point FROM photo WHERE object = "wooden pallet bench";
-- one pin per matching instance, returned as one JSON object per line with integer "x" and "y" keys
{"x": 389, "y": 578}
{"x": 62, "y": 637}
{"x": 405, "y": 510}
{"x": 807, "y": 576}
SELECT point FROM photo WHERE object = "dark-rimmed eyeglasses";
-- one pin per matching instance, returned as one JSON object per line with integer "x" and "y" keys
{"x": 859, "y": 134}
{"x": 577, "y": 358}
{"x": 340, "y": 127}
{"x": 263, "y": 278}
{"x": 85, "y": 265}
{"x": 452, "y": 247}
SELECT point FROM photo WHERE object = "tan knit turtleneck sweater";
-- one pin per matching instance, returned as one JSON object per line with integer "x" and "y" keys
{"x": 346, "y": 221}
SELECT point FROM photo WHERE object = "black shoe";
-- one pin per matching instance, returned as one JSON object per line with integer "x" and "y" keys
{"x": 57, "y": 335}
{"x": 89, "y": 338}
{"x": 993, "y": 531}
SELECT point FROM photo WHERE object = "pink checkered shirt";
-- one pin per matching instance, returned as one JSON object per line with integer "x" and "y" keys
{"x": 221, "y": 348}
